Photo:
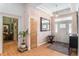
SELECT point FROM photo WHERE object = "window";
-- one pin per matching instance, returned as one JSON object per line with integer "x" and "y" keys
{"x": 62, "y": 25}
{"x": 70, "y": 28}
{"x": 56, "y": 28}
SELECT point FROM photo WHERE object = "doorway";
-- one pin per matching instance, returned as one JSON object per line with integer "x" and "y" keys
{"x": 63, "y": 28}
{"x": 33, "y": 33}
{"x": 10, "y": 33}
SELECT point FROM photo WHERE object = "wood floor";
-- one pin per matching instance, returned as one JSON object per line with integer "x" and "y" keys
{"x": 10, "y": 49}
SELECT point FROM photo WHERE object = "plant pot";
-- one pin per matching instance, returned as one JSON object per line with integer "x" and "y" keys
{"x": 23, "y": 45}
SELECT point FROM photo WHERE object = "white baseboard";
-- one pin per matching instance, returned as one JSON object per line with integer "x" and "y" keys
{"x": 41, "y": 43}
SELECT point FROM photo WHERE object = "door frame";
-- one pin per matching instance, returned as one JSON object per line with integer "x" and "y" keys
{"x": 66, "y": 24}
{"x": 7, "y": 15}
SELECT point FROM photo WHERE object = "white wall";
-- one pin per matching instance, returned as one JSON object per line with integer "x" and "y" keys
{"x": 1, "y": 36}
{"x": 12, "y": 8}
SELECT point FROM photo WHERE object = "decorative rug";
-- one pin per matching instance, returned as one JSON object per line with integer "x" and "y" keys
{"x": 60, "y": 47}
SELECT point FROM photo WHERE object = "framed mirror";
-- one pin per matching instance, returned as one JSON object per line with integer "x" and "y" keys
{"x": 44, "y": 24}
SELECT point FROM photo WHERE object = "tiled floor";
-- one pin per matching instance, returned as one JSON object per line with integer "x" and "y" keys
{"x": 11, "y": 50}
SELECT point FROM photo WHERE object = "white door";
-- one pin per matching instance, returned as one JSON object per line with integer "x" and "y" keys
{"x": 63, "y": 30}
{"x": 63, "y": 33}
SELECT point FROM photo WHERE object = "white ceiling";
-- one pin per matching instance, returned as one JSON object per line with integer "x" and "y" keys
{"x": 53, "y": 7}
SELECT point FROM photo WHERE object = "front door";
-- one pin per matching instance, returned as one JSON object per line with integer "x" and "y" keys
{"x": 33, "y": 33}
{"x": 64, "y": 29}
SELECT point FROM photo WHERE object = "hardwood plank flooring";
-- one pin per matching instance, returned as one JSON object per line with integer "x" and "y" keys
{"x": 10, "y": 49}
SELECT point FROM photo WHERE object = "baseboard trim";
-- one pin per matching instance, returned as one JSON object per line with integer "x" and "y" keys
{"x": 41, "y": 43}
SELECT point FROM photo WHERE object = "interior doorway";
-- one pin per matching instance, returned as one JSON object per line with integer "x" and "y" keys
{"x": 10, "y": 33}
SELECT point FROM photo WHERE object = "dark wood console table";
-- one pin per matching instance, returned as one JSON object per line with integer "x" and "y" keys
{"x": 50, "y": 38}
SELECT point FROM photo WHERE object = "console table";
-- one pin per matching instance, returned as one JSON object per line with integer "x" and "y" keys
{"x": 50, "y": 38}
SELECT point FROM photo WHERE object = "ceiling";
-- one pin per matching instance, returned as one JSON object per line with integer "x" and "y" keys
{"x": 53, "y": 7}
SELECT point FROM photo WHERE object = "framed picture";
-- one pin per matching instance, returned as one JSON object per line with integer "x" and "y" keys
{"x": 44, "y": 24}
{"x": 6, "y": 27}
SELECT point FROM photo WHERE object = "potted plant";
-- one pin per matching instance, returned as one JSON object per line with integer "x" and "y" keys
{"x": 23, "y": 34}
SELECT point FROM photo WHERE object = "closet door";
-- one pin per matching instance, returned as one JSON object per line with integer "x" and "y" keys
{"x": 33, "y": 33}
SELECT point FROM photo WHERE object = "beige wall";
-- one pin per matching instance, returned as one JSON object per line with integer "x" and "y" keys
{"x": 74, "y": 23}
{"x": 53, "y": 24}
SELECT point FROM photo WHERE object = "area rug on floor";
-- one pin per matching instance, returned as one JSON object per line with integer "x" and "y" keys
{"x": 60, "y": 47}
